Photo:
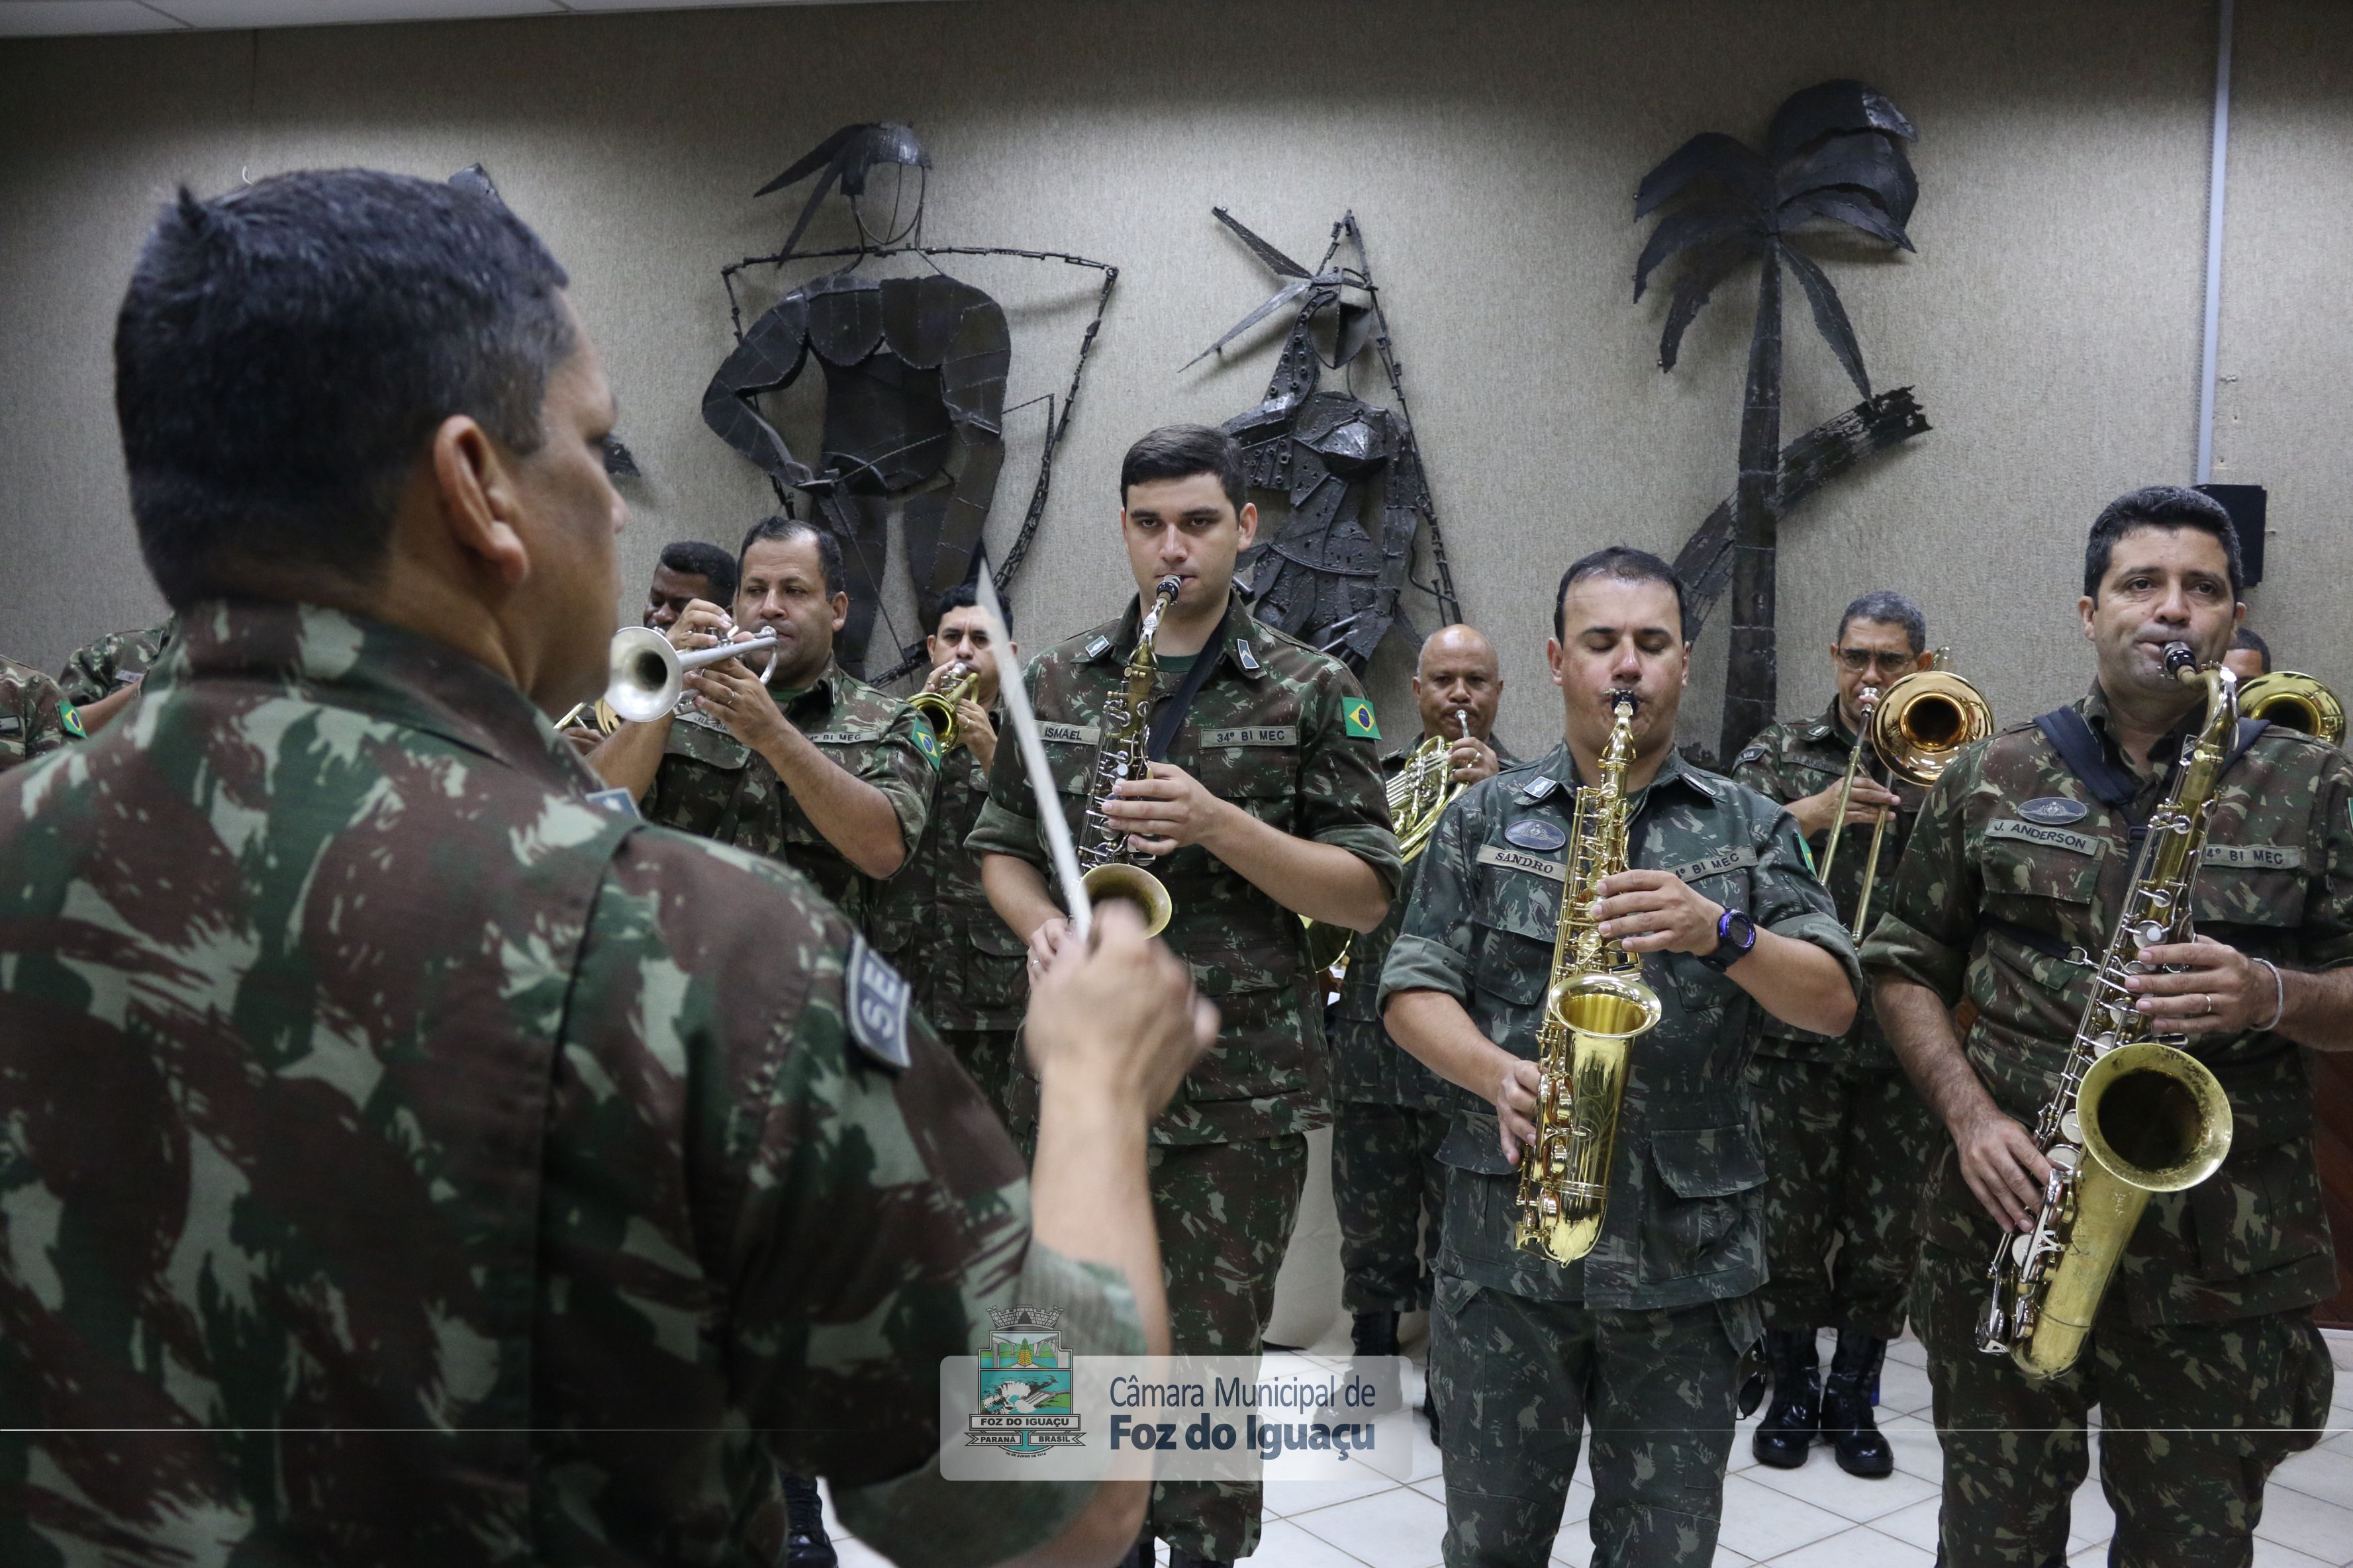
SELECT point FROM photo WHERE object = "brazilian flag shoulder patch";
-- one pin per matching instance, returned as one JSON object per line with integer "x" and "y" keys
{"x": 70, "y": 717}
{"x": 1358, "y": 713}
{"x": 1808, "y": 851}
{"x": 925, "y": 742}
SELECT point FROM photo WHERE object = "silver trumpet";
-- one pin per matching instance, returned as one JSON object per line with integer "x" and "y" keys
{"x": 645, "y": 674}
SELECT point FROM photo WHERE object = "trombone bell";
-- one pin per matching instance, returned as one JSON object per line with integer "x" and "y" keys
{"x": 1924, "y": 719}
{"x": 2295, "y": 700}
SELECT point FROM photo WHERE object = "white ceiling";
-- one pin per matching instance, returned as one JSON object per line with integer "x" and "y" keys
{"x": 26, "y": 18}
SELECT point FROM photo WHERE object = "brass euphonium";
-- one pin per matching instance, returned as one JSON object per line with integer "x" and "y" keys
{"x": 1111, "y": 869}
{"x": 939, "y": 708}
{"x": 2295, "y": 701}
{"x": 2133, "y": 1113}
{"x": 1594, "y": 1006}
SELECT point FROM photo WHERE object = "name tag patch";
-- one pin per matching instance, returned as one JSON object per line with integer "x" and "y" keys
{"x": 844, "y": 737}
{"x": 878, "y": 1002}
{"x": 1536, "y": 833}
{"x": 2051, "y": 810}
{"x": 1520, "y": 861}
{"x": 1068, "y": 734}
{"x": 2047, "y": 837}
{"x": 1261, "y": 735}
{"x": 2254, "y": 857}
{"x": 1715, "y": 865}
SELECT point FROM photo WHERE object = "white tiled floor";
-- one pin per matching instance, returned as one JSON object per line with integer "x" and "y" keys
{"x": 1816, "y": 1517}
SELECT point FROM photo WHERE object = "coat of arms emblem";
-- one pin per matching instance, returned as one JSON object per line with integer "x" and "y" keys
{"x": 1026, "y": 1386}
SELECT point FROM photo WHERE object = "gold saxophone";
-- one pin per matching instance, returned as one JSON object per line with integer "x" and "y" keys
{"x": 1596, "y": 1004}
{"x": 1110, "y": 868}
{"x": 2151, "y": 1117}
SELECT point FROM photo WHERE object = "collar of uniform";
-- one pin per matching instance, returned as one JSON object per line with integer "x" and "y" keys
{"x": 1244, "y": 647}
{"x": 343, "y": 661}
{"x": 1560, "y": 768}
{"x": 2167, "y": 750}
{"x": 1830, "y": 729}
{"x": 818, "y": 698}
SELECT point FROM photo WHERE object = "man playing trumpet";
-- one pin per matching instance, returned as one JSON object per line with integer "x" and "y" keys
{"x": 1642, "y": 1336}
{"x": 1845, "y": 1130}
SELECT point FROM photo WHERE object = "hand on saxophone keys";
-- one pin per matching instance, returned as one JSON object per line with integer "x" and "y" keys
{"x": 2004, "y": 1169}
{"x": 1656, "y": 911}
{"x": 2202, "y": 987}
{"x": 1516, "y": 1097}
{"x": 1162, "y": 814}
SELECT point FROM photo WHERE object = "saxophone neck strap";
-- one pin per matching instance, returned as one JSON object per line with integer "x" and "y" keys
{"x": 1171, "y": 716}
{"x": 2112, "y": 785}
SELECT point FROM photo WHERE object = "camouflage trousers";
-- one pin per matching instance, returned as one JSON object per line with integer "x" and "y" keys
{"x": 1387, "y": 1182}
{"x": 2193, "y": 1417}
{"x": 1847, "y": 1154}
{"x": 1516, "y": 1381}
{"x": 1225, "y": 1212}
{"x": 993, "y": 1057}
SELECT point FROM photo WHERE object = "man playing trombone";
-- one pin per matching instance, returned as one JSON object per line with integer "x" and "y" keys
{"x": 1845, "y": 1130}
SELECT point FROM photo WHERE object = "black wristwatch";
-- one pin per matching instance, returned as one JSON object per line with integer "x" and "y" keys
{"x": 1735, "y": 933}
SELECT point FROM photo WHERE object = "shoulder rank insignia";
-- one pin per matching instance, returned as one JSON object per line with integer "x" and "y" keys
{"x": 1540, "y": 787}
{"x": 1097, "y": 646}
{"x": 70, "y": 716}
{"x": 1358, "y": 714}
{"x": 926, "y": 742}
{"x": 878, "y": 1002}
{"x": 1243, "y": 657}
{"x": 616, "y": 800}
{"x": 1753, "y": 754}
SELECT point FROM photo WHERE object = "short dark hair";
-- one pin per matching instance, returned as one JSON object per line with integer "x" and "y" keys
{"x": 2246, "y": 637}
{"x": 1180, "y": 451}
{"x": 777, "y": 526}
{"x": 1621, "y": 561}
{"x": 1893, "y": 608}
{"x": 963, "y": 596}
{"x": 693, "y": 558}
{"x": 285, "y": 352}
{"x": 2157, "y": 506}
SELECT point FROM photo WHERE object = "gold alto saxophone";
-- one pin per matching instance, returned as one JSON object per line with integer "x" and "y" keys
{"x": 2150, "y": 1117}
{"x": 1110, "y": 868}
{"x": 1596, "y": 1004}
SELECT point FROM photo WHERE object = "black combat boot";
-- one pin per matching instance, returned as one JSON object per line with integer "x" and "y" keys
{"x": 805, "y": 1543}
{"x": 1374, "y": 1333}
{"x": 1794, "y": 1419}
{"x": 1847, "y": 1398}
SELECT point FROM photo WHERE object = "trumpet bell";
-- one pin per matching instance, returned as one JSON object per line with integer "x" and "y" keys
{"x": 2295, "y": 700}
{"x": 1924, "y": 719}
{"x": 1134, "y": 885}
{"x": 642, "y": 675}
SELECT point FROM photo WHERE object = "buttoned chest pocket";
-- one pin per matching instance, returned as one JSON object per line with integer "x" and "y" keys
{"x": 2044, "y": 884}
{"x": 1516, "y": 920}
{"x": 847, "y": 749}
{"x": 1727, "y": 879}
{"x": 1255, "y": 768}
{"x": 2247, "y": 882}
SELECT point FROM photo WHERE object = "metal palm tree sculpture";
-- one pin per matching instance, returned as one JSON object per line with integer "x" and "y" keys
{"x": 1834, "y": 155}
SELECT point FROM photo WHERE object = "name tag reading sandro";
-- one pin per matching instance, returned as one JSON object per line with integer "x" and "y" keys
{"x": 2045, "y": 835}
{"x": 2254, "y": 857}
{"x": 1263, "y": 735}
{"x": 1715, "y": 865}
{"x": 1068, "y": 734}
{"x": 1520, "y": 860}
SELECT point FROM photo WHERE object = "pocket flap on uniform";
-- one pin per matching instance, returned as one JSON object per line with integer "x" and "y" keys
{"x": 715, "y": 748}
{"x": 1473, "y": 1144}
{"x": 1708, "y": 1161}
{"x": 996, "y": 938}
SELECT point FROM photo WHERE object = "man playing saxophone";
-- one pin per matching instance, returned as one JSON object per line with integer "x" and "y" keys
{"x": 2203, "y": 1357}
{"x": 1845, "y": 1133}
{"x": 1264, "y": 802}
{"x": 1642, "y": 1336}
{"x": 1388, "y": 1113}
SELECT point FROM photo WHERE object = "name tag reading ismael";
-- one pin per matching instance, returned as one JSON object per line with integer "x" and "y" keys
{"x": 2049, "y": 836}
{"x": 1735, "y": 858}
{"x": 1068, "y": 734}
{"x": 1520, "y": 860}
{"x": 1261, "y": 735}
{"x": 2254, "y": 857}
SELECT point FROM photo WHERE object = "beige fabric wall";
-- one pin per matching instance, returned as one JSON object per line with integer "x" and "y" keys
{"x": 2050, "y": 319}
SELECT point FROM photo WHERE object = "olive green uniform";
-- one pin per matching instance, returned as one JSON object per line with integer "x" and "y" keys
{"x": 2203, "y": 1358}
{"x": 115, "y": 660}
{"x": 1643, "y": 1338}
{"x": 1283, "y": 732}
{"x": 36, "y": 716}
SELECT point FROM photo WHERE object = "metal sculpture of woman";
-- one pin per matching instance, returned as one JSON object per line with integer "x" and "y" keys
{"x": 914, "y": 371}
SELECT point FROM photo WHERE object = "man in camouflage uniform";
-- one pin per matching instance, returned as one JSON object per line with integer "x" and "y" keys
{"x": 1265, "y": 805}
{"x": 1642, "y": 1337}
{"x": 800, "y": 762}
{"x": 2202, "y": 1358}
{"x": 103, "y": 678}
{"x": 1845, "y": 1132}
{"x": 446, "y": 1169}
{"x": 933, "y": 918}
{"x": 1389, "y": 1111}
{"x": 36, "y": 716}
{"x": 685, "y": 570}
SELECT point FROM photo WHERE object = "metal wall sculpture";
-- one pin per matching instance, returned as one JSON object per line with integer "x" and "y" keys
{"x": 914, "y": 371}
{"x": 1833, "y": 156}
{"x": 1329, "y": 575}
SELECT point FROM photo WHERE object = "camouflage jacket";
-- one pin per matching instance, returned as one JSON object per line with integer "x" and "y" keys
{"x": 1283, "y": 731}
{"x": 449, "y": 1171}
{"x": 36, "y": 716}
{"x": 1685, "y": 1216}
{"x": 714, "y": 786}
{"x": 105, "y": 665}
{"x": 2011, "y": 846}
{"x": 1367, "y": 1067}
{"x": 967, "y": 966}
{"x": 1789, "y": 761}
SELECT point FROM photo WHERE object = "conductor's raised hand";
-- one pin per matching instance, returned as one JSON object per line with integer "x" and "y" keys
{"x": 1117, "y": 1018}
